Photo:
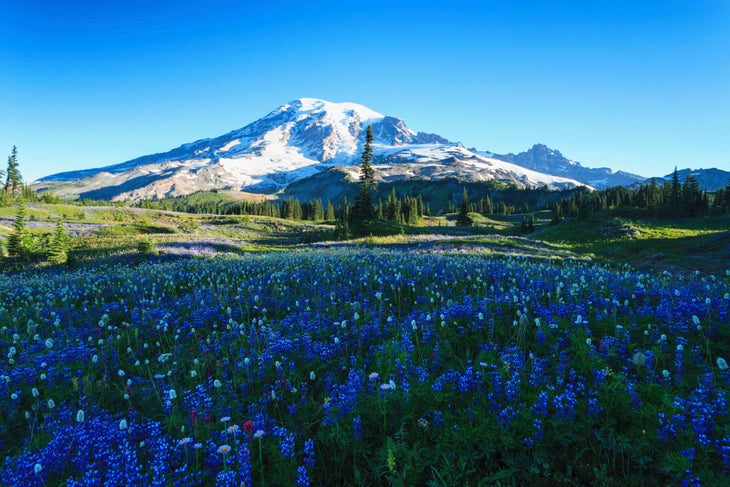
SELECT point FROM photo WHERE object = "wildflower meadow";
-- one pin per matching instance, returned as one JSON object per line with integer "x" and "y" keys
{"x": 358, "y": 366}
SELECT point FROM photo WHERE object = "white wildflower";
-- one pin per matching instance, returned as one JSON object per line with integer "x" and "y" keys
{"x": 721, "y": 363}
{"x": 639, "y": 359}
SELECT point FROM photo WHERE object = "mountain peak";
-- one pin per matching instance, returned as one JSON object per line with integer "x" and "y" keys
{"x": 543, "y": 159}
{"x": 313, "y": 105}
{"x": 543, "y": 151}
{"x": 298, "y": 140}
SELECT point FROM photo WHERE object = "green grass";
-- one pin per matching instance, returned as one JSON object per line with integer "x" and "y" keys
{"x": 674, "y": 245}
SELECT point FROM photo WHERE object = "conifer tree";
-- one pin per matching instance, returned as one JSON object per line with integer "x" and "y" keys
{"x": 363, "y": 213}
{"x": 57, "y": 250}
{"x": 13, "y": 181}
{"x": 675, "y": 195}
{"x": 342, "y": 228}
{"x": 463, "y": 219}
{"x": 557, "y": 214}
{"x": 17, "y": 242}
{"x": 317, "y": 210}
{"x": 692, "y": 201}
{"x": 392, "y": 209}
{"x": 329, "y": 213}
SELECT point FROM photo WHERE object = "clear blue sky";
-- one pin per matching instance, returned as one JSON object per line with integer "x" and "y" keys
{"x": 639, "y": 86}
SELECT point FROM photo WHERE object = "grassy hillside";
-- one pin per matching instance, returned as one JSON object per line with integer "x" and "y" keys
{"x": 675, "y": 245}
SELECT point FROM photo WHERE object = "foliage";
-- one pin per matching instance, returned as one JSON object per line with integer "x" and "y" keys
{"x": 216, "y": 203}
{"x": 721, "y": 202}
{"x": 363, "y": 367}
{"x": 19, "y": 242}
{"x": 329, "y": 213}
{"x": 463, "y": 219}
{"x": 58, "y": 246}
{"x": 686, "y": 244}
{"x": 342, "y": 227}
{"x": 528, "y": 224}
{"x": 145, "y": 245}
{"x": 363, "y": 216}
{"x": 670, "y": 200}
{"x": 406, "y": 211}
{"x": 14, "y": 180}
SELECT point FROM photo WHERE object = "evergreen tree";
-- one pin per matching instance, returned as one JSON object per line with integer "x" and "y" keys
{"x": 342, "y": 227}
{"x": 463, "y": 220}
{"x": 557, "y": 214}
{"x": 528, "y": 224}
{"x": 363, "y": 213}
{"x": 13, "y": 181}
{"x": 329, "y": 213}
{"x": 17, "y": 242}
{"x": 57, "y": 250}
{"x": 317, "y": 210}
{"x": 392, "y": 208}
{"x": 654, "y": 198}
{"x": 692, "y": 200}
{"x": 419, "y": 206}
{"x": 675, "y": 195}
{"x": 487, "y": 206}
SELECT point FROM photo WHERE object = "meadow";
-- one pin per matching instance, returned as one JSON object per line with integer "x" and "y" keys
{"x": 363, "y": 364}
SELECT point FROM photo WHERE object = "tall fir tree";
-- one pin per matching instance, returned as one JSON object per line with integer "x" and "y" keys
{"x": 675, "y": 195}
{"x": 329, "y": 213}
{"x": 692, "y": 200}
{"x": 13, "y": 181}
{"x": 392, "y": 209}
{"x": 363, "y": 213}
{"x": 463, "y": 220}
{"x": 317, "y": 210}
{"x": 342, "y": 227}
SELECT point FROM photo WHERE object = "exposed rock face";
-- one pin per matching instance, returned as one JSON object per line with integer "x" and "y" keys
{"x": 543, "y": 159}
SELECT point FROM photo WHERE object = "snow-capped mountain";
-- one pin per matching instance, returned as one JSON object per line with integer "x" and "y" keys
{"x": 300, "y": 139}
{"x": 543, "y": 159}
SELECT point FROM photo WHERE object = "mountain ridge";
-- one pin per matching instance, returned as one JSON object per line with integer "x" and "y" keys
{"x": 300, "y": 139}
{"x": 543, "y": 159}
{"x": 305, "y": 138}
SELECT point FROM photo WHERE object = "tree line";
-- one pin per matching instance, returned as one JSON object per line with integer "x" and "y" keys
{"x": 672, "y": 199}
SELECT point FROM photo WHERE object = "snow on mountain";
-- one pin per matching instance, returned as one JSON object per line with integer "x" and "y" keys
{"x": 298, "y": 140}
{"x": 549, "y": 161}
{"x": 442, "y": 160}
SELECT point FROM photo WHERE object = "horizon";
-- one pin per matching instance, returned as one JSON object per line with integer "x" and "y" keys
{"x": 636, "y": 88}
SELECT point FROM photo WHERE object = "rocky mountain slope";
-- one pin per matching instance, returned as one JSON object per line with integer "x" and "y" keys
{"x": 543, "y": 159}
{"x": 300, "y": 139}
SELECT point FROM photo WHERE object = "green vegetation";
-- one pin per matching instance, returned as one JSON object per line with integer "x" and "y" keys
{"x": 687, "y": 244}
{"x": 363, "y": 216}
{"x": 640, "y": 226}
